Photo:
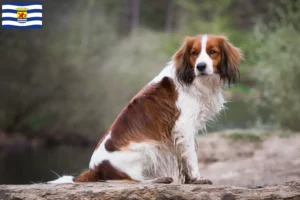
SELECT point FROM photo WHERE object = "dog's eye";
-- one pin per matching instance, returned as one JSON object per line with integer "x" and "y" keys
{"x": 211, "y": 52}
{"x": 194, "y": 53}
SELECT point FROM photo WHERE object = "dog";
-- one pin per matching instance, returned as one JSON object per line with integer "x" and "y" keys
{"x": 153, "y": 138}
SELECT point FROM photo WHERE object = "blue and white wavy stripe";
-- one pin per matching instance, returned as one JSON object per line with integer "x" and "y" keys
{"x": 33, "y": 20}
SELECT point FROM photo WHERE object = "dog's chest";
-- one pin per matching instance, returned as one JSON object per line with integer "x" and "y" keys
{"x": 196, "y": 110}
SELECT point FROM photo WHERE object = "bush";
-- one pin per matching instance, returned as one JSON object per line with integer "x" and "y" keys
{"x": 129, "y": 66}
{"x": 276, "y": 52}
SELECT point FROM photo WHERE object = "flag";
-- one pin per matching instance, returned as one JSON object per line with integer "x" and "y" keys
{"x": 22, "y": 15}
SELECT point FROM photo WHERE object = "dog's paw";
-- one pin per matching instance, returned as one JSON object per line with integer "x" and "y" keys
{"x": 200, "y": 180}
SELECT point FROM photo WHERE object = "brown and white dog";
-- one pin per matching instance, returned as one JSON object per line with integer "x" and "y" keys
{"x": 153, "y": 138}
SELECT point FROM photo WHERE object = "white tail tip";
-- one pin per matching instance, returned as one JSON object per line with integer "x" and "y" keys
{"x": 63, "y": 179}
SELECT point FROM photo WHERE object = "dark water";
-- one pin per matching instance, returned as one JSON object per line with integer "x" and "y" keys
{"x": 36, "y": 165}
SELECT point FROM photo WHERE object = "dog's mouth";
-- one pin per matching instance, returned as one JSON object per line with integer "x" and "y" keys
{"x": 204, "y": 74}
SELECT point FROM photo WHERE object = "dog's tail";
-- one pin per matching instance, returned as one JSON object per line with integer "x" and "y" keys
{"x": 102, "y": 172}
{"x": 63, "y": 179}
{"x": 88, "y": 176}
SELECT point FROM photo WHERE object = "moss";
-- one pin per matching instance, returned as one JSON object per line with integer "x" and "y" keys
{"x": 240, "y": 136}
{"x": 286, "y": 134}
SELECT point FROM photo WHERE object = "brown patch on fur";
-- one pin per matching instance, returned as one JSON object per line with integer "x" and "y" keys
{"x": 150, "y": 116}
{"x": 214, "y": 50}
{"x": 104, "y": 171}
{"x": 184, "y": 62}
{"x": 227, "y": 58}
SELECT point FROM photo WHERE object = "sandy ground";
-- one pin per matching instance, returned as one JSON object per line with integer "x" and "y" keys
{"x": 272, "y": 160}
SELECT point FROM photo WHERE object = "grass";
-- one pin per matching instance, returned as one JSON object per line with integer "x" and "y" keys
{"x": 286, "y": 134}
{"x": 249, "y": 137}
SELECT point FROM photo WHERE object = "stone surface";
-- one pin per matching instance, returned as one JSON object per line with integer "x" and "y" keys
{"x": 111, "y": 191}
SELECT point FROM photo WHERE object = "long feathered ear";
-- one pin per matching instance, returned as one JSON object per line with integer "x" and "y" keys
{"x": 231, "y": 58}
{"x": 184, "y": 70}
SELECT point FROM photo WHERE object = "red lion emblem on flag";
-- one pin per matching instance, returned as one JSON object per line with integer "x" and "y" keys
{"x": 22, "y": 15}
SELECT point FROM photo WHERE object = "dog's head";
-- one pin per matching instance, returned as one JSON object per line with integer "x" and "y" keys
{"x": 207, "y": 55}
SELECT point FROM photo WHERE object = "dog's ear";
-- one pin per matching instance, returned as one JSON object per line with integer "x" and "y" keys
{"x": 184, "y": 70}
{"x": 231, "y": 58}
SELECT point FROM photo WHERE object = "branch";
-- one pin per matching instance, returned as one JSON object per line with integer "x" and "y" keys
{"x": 111, "y": 191}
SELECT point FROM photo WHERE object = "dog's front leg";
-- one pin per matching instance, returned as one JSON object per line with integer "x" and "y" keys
{"x": 186, "y": 150}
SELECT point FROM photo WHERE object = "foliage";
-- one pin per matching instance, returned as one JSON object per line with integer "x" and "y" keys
{"x": 277, "y": 69}
{"x": 131, "y": 63}
{"x": 82, "y": 68}
{"x": 47, "y": 79}
{"x": 244, "y": 136}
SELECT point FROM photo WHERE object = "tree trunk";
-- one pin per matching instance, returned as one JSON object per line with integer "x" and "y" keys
{"x": 111, "y": 191}
{"x": 87, "y": 22}
{"x": 181, "y": 19}
{"x": 126, "y": 18}
{"x": 135, "y": 17}
{"x": 169, "y": 18}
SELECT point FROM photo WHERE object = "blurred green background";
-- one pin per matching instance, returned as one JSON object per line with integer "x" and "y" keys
{"x": 62, "y": 86}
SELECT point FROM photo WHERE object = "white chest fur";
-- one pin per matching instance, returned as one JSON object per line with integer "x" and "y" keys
{"x": 198, "y": 104}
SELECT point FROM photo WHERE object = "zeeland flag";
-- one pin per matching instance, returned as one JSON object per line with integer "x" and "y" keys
{"x": 22, "y": 15}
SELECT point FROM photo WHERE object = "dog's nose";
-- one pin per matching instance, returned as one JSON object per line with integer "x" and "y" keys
{"x": 201, "y": 66}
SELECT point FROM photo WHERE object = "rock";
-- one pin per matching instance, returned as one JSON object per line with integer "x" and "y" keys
{"x": 131, "y": 191}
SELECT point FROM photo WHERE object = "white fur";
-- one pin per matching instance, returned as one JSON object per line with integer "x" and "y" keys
{"x": 126, "y": 161}
{"x": 63, "y": 179}
{"x": 168, "y": 71}
{"x": 142, "y": 161}
{"x": 204, "y": 58}
{"x": 156, "y": 163}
